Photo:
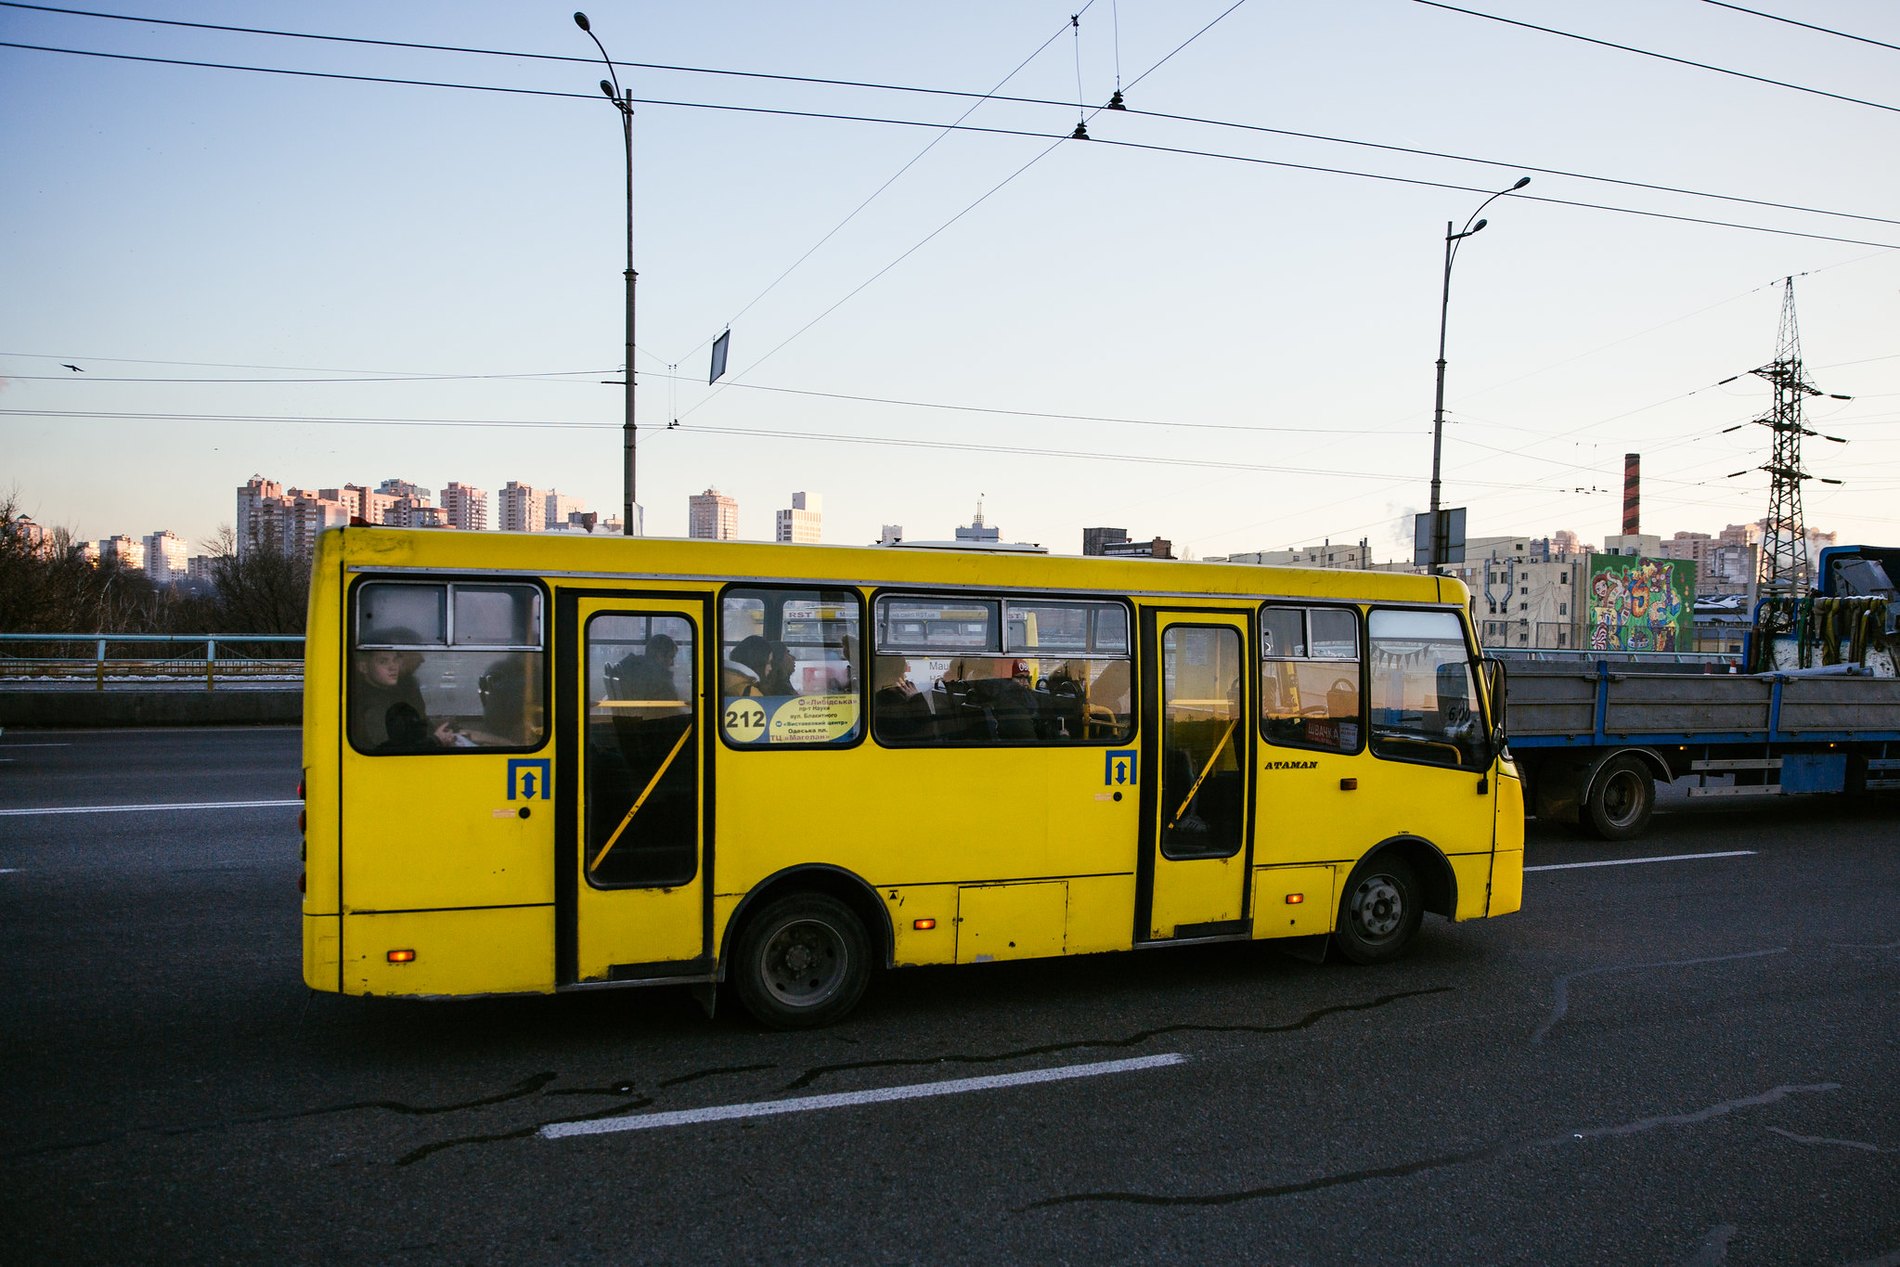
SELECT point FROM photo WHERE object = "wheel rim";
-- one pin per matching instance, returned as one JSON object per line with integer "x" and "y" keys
{"x": 1378, "y": 907}
{"x": 1622, "y": 796}
{"x": 803, "y": 963}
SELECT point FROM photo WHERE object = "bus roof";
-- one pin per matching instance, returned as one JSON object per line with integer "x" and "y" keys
{"x": 577, "y": 555}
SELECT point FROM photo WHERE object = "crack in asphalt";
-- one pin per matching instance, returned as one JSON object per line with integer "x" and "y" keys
{"x": 1560, "y": 988}
{"x": 525, "y": 1132}
{"x": 1404, "y": 1169}
{"x": 526, "y": 1087}
{"x": 1860, "y": 1145}
{"x": 812, "y": 1075}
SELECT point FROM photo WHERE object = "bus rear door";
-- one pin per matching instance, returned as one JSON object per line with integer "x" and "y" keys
{"x": 633, "y": 889}
{"x": 1196, "y": 754}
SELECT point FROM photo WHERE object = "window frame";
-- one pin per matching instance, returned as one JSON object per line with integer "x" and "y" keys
{"x": 999, "y": 647}
{"x": 1482, "y": 755}
{"x": 854, "y": 669}
{"x": 446, "y": 582}
{"x": 1360, "y": 664}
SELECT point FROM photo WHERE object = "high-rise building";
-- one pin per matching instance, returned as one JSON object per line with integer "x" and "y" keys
{"x": 166, "y": 557}
{"x": 33, "y": 539}
{"x": 403, "y": 488}
{"x": 712, "y": 516}
{"x": 284, "y": 519}
{"x": 556, "y": 508}
{"x": 521, "y": 508}
{"x": 466, "y": 507}
{"x": 803, "y": 522}
{"x": 128, "y": 551}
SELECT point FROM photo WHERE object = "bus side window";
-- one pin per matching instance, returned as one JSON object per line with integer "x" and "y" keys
{"x": 445, "y": 666}
{"x": 787, "y": 667}
{"x": 957, "y": 670}
{"x": 1309, "y": 677}
{"x": 1422, "y": 690}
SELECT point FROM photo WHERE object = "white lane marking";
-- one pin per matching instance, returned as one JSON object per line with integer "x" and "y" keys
{"x": 11, "y": 746}
{"x": 1631, "y": 862}
{"x": 848, "y": 1099}
{"x": 145, "y": 809}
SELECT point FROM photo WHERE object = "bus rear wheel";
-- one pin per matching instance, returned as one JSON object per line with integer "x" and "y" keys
{"x": 1380, "y": 911}
{"x": 802, "y": 962}
{"x": 1620, "y": 801}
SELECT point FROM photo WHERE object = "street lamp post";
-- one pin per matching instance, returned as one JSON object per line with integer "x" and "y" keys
{"x": 1440, "y": 544}
{"x": 623, "y": 102}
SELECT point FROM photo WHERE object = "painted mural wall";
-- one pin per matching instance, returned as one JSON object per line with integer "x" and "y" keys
{"x": 1641, "y": 604}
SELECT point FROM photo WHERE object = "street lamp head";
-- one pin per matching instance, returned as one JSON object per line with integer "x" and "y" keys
{"x": 609, "y": 90}
{"x": 1521, "y": 180}
{"x": 1474, "y": 228}
{"x": 580, "y": 20}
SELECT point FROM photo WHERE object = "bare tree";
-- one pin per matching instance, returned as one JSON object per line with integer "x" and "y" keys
{"x": 264, "y": 590}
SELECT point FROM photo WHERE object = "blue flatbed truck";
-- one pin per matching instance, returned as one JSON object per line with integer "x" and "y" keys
{"x": 1821, "y": 716}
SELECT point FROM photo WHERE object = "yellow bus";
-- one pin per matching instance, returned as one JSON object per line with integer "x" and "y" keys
{"x": 538, "y": 763}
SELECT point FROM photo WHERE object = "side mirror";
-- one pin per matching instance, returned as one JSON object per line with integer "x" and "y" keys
{"x": 1492, "y": 670}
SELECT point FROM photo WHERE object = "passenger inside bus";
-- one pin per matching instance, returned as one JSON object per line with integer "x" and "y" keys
{"x": 386, "y": 709}
{"x": 754, "y": 652}
{"x": 647, "y": 675}
{"x": 737, "y": 679}
{"x": 987, "y": 700}
{"x": 898, "y": 709}
{"x": 780, "y": 664}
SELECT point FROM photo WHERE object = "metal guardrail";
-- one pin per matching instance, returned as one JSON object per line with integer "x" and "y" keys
{"x": 102, "y": 659}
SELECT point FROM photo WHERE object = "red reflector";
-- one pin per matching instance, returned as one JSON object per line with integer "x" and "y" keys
{"x": 923, "y": 925}
{"x": 300, "y": 789}
{"x": 1294, "y": 899}
{"x": 401, "y": 956}
{"x": 301, "y": 822}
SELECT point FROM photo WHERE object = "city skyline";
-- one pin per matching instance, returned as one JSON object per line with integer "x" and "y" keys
{"x": 302, "y": 512}
{"x": 1217, "y": 331}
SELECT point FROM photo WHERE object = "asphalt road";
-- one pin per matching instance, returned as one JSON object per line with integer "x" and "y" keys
{"x": 1684, "y": 1062}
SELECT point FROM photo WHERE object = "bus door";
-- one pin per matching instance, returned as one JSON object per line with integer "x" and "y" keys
{"x": 1196, "y": 755}
{"x": 632, "y": 880}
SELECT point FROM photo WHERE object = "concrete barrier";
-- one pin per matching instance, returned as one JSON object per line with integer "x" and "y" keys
{"x": 88, "y": 708}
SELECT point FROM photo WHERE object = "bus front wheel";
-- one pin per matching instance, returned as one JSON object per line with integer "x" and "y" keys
{"x": 803, "y": 961}
{"x": 1380, "y": 911}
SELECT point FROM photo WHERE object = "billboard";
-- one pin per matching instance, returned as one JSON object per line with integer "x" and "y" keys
{"x": 1641, "y": 604}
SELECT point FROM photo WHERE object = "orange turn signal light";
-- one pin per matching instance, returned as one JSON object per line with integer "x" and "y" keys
{"x": 1294, "y": 899}
{"x": 401, "y": 956}
{"x": 923, "y": 925}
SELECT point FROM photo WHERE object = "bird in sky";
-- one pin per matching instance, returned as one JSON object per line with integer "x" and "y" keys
{"x": 74, "y": 368}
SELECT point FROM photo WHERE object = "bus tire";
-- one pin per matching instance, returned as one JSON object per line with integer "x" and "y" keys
{"x": 1620, "y": 800}
{"x": 1379, "y": 912}
{"x": 801, "y": 962}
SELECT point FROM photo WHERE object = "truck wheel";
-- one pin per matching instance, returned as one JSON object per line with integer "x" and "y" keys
{"x": 1621, "y": 799}
{"x": 1380, "y": 912}
{"x": 802, "y": 962}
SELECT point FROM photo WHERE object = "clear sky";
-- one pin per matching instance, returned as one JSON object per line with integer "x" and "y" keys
{"x": 1180, "y": 328}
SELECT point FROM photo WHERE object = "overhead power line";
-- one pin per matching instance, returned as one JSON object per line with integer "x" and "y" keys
{"x": 976, "y": 98}
{"x": 985, "y": 131}
{"x": 1661, "y": 57}
{"x": 1824, "y": 30}
{"x": 902, "y": 442}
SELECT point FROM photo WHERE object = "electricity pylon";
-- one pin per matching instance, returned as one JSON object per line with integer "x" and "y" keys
{"x": 1784, "y": 555}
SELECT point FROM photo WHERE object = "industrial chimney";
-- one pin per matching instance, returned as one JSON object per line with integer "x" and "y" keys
{"x": 1632, "y": 494}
